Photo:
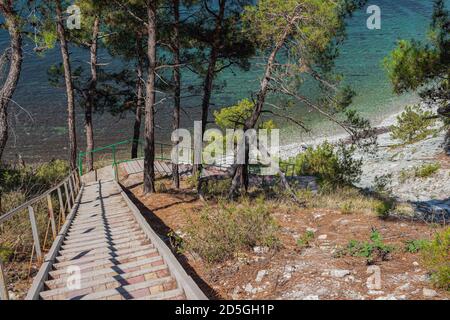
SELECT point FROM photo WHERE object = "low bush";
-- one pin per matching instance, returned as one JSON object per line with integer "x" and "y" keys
{"x": 305, "y": 240}
{"x": 384, "y": 207}
{"x": 372, "y": 250}
{"x": 413, "y": 125}
{"x": 414, "y": 246}
{"x": 333, "y": 165}
{"x": 421, "y": 172}
{"x": 219, "y": 233}
{"x": 436, "y": 258}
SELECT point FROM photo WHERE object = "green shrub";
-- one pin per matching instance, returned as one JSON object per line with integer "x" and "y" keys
{"x": 436, "y": 257}
{"x": 427, "y": 170}
{"x": 5, "y": 253}
{"x": 333, "y": 165}
{"x": 384, "y": 207}
{"x": 414, "y": 124}
{"x": 219, "y": 233}
{"x": 421, "y": 172}
{"x": 347, "y": 207}
{"x": 305, "y": 239}
{"x": 371, "y": 250}
{"x": 414, "y": 246}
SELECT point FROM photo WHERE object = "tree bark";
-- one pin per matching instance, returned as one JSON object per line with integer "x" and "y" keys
{"x": 211, "y": 72}
{"x": 177, "y": 84}
{"x": 240, "y": 177}
{"x": 7, "y": 91}
{"x": 149, "y": 161}
{"x": 92, "y": 96}
{"x": 69, "y": 87}
{"x": 139, "y": 98}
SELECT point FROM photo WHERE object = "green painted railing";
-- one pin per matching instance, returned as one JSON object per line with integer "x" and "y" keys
{"x": 120, "y": 153}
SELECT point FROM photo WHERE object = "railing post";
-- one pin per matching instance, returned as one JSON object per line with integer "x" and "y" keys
{"x": 69, "y": 206}
{"x": 71, "y": 189}
{"x": 34, "y": 230}
{"x": 51, "y": 215}
{"x": 80, "y": 163}
{"x": 3, "y": 288}
{"x": 62, "y": 210}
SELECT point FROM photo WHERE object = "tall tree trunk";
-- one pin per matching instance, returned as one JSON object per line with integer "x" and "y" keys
{"x": 7, "y": 91}
{"x": 139, "y": 98}
{"x": 92, "y": 96}
{"x": 69, "y": 87}
{"x": 240, "y": 178}
{"x": 149, "y": 161}
{"x": 211, "y": 72}
{"x": 177, "y": 84}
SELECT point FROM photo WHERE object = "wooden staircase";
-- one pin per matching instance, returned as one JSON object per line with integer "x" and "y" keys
{"x": 115, "y": 253}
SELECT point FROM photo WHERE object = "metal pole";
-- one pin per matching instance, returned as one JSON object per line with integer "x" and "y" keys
{"x": 51, "y": 215}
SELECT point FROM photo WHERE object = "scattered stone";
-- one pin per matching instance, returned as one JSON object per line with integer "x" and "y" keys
{"x": 248, "y": 288}
{"x": 261, "y": 250}
{"x": 235, "y": 294}
{"x": 260, "y": 275}
{"x": 388, "y": 297}
{"x": 311, "y": 297}
{"x": 313, "y": 230}
{"x": 429, "y": 293}
{"x": 375, "y": 293}
{"x": 336, "y": 273}
{"x": 404, "y": 287}
{"x": 323, "y": 237}
{"x": 415, "y": 263}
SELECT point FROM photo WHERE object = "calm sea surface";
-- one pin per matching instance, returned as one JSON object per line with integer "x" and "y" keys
{"x": 40, "y": 134}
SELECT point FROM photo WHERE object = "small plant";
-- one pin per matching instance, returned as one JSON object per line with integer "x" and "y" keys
{"x": 421, "y": 172}
{"x": 436, "y": 257}
{"x": 347, "y": 207}
{"x": 305, "y": 240}
{"x": 220, "y": 233}
{"x": 427, "y": 170}
{"x": 372, "y": 250}
{"x": 383, "y": 184}
{"x": 176, "y": 242}
{"x": 414, "y": 246}
{"x": 5, "y": 253}
{"x": 415, "y": 124}
{"x": 384, "y": 207}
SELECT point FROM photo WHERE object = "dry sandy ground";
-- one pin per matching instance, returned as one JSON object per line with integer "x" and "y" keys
{"x": 309, "y": 273}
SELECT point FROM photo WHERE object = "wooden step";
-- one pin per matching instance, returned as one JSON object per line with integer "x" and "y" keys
{"x": 107, "y": 242}
{"x": 102, "y": 264}
{"x": 101, "y": 246}
{"x": 177, "y": 294}
{"x": 113, "y": 270}
{"x": 112, "y": 253}
{"x": 112, "y": 236}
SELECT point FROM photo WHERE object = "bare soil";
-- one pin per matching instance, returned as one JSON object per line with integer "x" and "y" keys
{"x": 292, "y": 272}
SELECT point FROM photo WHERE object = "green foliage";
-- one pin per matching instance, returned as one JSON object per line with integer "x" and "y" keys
{"x": 333, "y": 165}
{"x": 32, "y": 180}
{"x": 220, "y": 233}
{"x": 414, "y": 246}
{"x": 436, "y": 257}
{"x": 421, "y": 172}
{"x": 5, "y": 253}
{"x": 372, "y": 250}
{"x": 384, "y": 207}
{"x": 347, "y": 207}
{"x": 235, "y": 116}
{"x": 414, "y": 65}
{"x": 413, "y": 125}
{"x": 305, "y": 240}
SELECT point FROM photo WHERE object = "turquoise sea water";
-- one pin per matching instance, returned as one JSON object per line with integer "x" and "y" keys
{"x": 44, "y": 136}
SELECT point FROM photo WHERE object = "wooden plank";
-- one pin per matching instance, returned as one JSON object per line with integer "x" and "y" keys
{"x": 35, "y": 232}
{"x": 62, "y": 211}
{"x": 71, "y": 189}
{"x": 51, "y": 215}
{"x": 158, "y": 167}
{"x": 3, "y": 284}
{"x": 42, "y": 276}
{"x": 166, "y": 168}
{"x": 69, "y": 206}
{"x": 190, "y": 288}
